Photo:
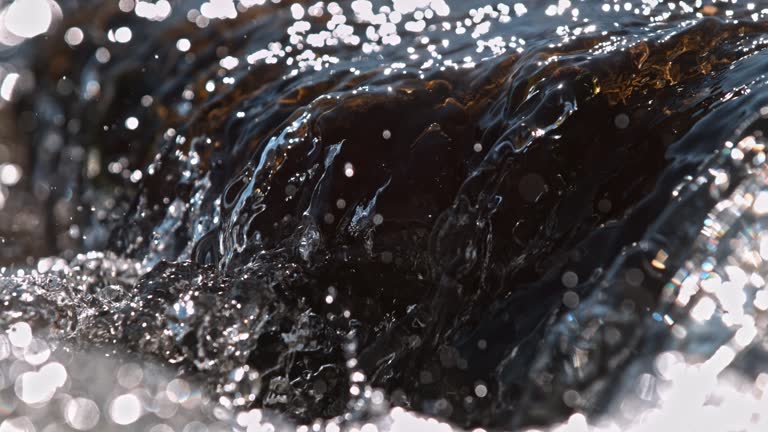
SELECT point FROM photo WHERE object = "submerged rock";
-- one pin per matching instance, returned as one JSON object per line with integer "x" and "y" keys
{"x": 449, "y": 217}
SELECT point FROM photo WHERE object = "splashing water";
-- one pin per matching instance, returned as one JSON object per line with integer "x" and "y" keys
{"x": 383, "y": 215}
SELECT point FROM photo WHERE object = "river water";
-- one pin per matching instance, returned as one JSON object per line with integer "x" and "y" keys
{"x": 383, "y": 215}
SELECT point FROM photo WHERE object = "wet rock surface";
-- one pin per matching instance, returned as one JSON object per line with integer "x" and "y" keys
{"x": 298, "y": 205}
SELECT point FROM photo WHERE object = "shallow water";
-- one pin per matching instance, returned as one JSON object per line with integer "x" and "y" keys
{"x": 356, "y": 213}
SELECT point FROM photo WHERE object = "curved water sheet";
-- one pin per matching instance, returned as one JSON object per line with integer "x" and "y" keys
{"x": 670, "y": 336}
{"x": 673, "y": 330}
{"x": 382, "y": 215}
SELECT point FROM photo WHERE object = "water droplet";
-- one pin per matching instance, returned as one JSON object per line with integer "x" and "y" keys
{"x": 73, "y": 36}
{"x": 82, "y": 414}
{"x": 570, "y": 279}
{"x": 20, "y": 334}
{"x": 131, "y": 123}
{"x": 621, "y": 121}
{"x": 125, "y": 409}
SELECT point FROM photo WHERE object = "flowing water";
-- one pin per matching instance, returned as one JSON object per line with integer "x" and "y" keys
{"x": 383, "y": 215}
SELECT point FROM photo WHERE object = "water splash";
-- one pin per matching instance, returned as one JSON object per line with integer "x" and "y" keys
{"x": 349, "y": 213}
